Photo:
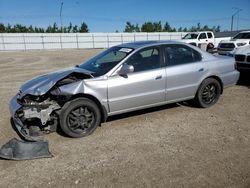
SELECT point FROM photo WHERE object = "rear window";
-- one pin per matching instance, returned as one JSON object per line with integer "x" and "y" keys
{"x": 209, "y": 35}
{"x": 178, "y": 54}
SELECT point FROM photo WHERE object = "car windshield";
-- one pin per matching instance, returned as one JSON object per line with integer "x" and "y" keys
{"x": 190, "y": 36}
{"x": 106, "y": 60}
{"x": 242, "y": 36}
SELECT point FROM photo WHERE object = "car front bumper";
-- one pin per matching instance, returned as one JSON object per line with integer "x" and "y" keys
{"x": 21, "y": 129}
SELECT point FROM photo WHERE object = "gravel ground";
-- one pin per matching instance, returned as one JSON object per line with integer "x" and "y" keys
{"x": 171, "y": 146}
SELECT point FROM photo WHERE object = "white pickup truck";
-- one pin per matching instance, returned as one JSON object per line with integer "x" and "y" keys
{"x": 227, "y": 47}
{"x": 205, "y": 38}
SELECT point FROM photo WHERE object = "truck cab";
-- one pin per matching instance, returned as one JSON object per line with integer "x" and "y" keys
{"x": 204, "y": 39}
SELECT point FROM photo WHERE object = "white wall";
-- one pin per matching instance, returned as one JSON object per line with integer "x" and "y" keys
{"x": 40, "y": 41}
{"x": 46, "y": 41}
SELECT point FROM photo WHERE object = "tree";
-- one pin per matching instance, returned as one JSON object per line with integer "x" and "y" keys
{"x": 157, "y": 26}
{"x": 167, "y": 27}
{"x": 151, "y": 27}
{"x": 173, "y": 30}
{"x": 70, "y": 27}
{"x": 147, "y": 27}
{"x": 185, "y": 29}
{"x": 217, "y": 29}
{"x": 2, "y": 28}
{"x": 55, "y": 28}
{"x": 30, "y": 29}
{"x": 131, "y": 28}
{"x": 193, "y": 29}
{"x": 206, "y": 28}
{"x": 180, "y": 29}
{"x": 198, "y": 27}
{"x": 83, "y": 28}
{"x": 75, "y": 29}
{"x": 137, "y": 28}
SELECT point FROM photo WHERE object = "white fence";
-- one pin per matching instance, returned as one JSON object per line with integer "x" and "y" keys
{"x": 41, "y": 41}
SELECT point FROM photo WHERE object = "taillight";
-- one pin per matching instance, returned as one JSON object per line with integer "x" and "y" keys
{"x": 235, "y": 66}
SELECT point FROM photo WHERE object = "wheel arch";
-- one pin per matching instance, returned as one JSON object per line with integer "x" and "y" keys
{"x": 216, "y": 78}
{"x": 104, "y": 114}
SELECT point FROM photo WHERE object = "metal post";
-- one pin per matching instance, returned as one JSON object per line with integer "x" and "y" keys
{"x": 232, "y": 22}
{"x": 93, "y": 40}
{"x": 61, "y": 40}
{"x": 108, "y": 39}
{"x": 61, "y": 17}
{"x": 24, "y": 42}
{"x": 134, "y": 37}
{"x": 42, "y": 41}
{"x": 122, "y": 37}
{"x": 3, "y": 43}
{"x": 77, "y": 42}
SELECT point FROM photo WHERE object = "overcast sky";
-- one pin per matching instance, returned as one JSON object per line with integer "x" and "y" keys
{"x": 111, "y": 15}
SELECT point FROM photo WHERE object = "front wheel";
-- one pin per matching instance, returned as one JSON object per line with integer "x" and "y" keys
{"x": 208, "y": 93}
{"x": 79, "y": 117}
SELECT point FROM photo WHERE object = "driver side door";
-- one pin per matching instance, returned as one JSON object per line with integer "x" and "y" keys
{"x": 142, "y": 88}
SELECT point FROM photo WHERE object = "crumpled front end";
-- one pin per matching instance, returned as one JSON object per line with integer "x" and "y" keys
{"x": 35, "y": 113}
{"x": 32, "y": 117}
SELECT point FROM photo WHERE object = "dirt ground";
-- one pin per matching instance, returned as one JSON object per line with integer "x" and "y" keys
{"x": 171, "y": 146}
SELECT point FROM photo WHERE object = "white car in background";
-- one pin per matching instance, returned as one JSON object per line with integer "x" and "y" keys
{"x": 226, "y": 47}
{"x": 242, "y": 58}
{"x": 199, "y": 38}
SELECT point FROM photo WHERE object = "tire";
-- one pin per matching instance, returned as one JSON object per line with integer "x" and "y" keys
{"x": 208, "y": 93}
{"x": 79, "y": 117}
{"x": 210, "y": 47}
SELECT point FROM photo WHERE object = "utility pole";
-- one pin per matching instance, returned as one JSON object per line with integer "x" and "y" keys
{"x": 232, "y": 20}
{"x": 61, "y": 17}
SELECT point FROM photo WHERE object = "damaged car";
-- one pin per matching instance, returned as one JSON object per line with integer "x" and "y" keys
{"x": 120, "y": 79}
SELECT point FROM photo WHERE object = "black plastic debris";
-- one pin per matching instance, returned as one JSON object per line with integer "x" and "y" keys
{"x": 21, "y": 150}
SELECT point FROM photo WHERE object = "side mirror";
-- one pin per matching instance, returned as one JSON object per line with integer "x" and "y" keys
{"x": 126, "y": 69}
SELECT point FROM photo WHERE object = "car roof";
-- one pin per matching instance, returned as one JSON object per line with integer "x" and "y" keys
{"x": 244, "y": 32}
{"x": 140, "y": 44}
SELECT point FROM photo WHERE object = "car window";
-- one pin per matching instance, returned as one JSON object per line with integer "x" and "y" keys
{"x": 202, "y": 36}
{"x": 180, "y": 54}
{"x": 146, "y": 59}
{"x": 106, "y": 60}
{"x": 111, "y": 57}
{"x": 242, "y": 36}
{"x": 209, "y": 35}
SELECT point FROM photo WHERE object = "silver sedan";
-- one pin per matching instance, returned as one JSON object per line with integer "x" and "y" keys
{"x": 122, "y": 78}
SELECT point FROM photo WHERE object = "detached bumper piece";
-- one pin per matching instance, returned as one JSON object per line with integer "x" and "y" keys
{"x": 22, "y": 150}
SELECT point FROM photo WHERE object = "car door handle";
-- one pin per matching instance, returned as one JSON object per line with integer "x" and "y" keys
{"x": 158, "y": 77}
{"x": 202, "y": 69}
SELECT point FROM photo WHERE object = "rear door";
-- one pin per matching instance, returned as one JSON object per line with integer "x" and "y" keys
{"x": 185, "y": 69}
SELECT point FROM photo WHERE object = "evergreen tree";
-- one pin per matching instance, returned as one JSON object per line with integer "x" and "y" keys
{"x": 83, "y": 28}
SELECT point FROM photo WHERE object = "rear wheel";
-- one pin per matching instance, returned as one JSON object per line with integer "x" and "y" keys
{"x": 208, "y": 93}
{"x": 79, "y": 117}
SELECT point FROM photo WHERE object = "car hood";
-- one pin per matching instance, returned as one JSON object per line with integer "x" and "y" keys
{"x": 243, "y": 50}
{"x": 235, "y": 41}
{"x": 42, "y": 84}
